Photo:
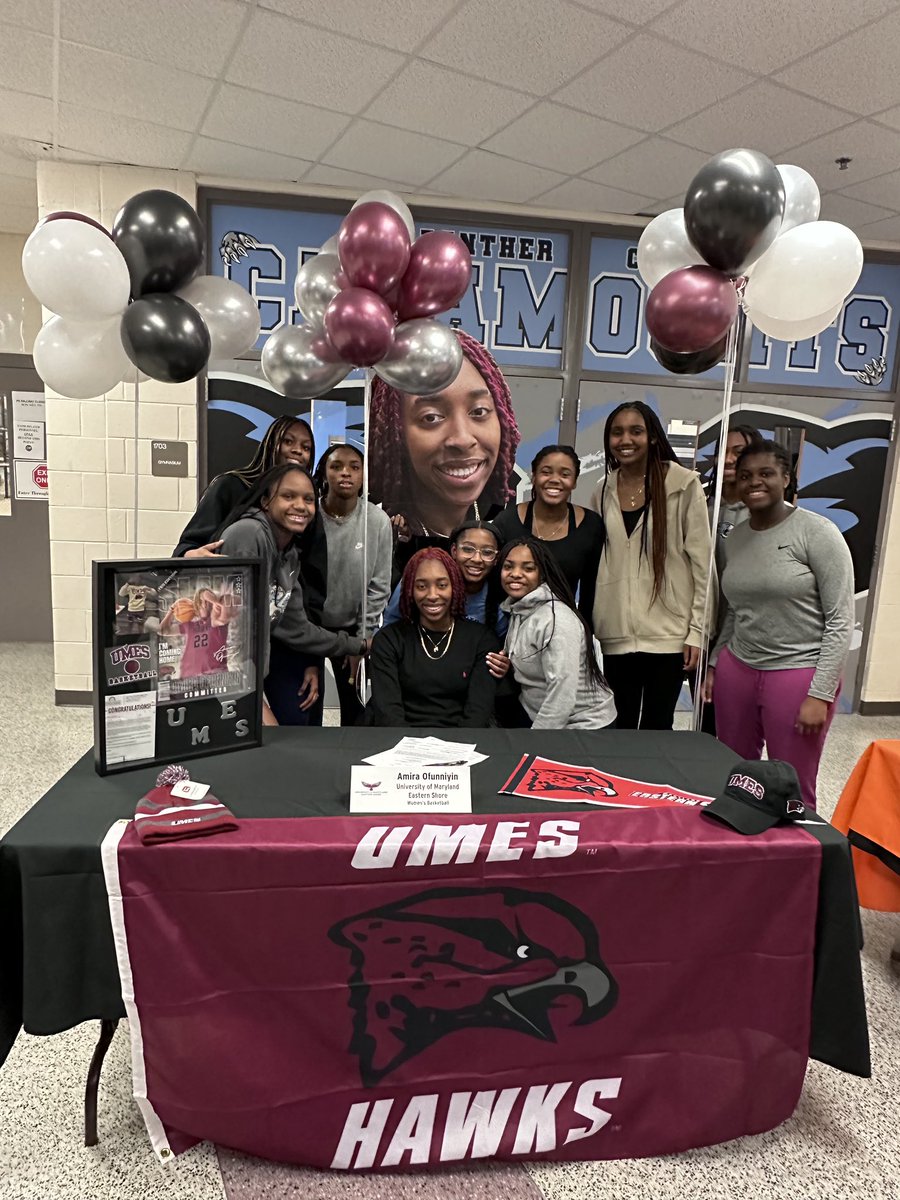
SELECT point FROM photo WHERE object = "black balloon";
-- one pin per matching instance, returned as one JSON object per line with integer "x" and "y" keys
{"x": 733, "y": 209}
{"x": 165, "y": 337}
{"x": 689, "y": 364}
{"x": 161, "y": 239}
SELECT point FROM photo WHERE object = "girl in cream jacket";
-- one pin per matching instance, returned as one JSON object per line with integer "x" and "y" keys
{"x": 652, "y": 581}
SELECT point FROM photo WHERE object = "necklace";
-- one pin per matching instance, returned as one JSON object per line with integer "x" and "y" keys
{"x": 432, "y": 533}
{"x": 436, "y": 650}
{"x": 547, "y": 537}
{"x": 633, "y": 497}
{"x": 334, "y": 517}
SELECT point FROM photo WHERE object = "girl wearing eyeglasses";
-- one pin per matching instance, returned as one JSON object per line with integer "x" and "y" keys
{"x": 474, "y": 547}
{"x": 572, "y": 534}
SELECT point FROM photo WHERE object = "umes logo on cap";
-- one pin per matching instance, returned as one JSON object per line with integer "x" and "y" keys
{"x": 748, "y": 784}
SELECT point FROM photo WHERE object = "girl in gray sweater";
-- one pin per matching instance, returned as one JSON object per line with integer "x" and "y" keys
{"x": 550, "y": 646}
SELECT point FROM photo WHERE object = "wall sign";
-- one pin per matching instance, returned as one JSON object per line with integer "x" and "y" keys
{"x": 169, "y": 458}
{"x": 856, "y": 353}
{"x": 515, "y": 305}
{"x": 30, "y": 445}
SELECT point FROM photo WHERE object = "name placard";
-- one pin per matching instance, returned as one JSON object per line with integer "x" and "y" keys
{"x": 410, "y": 789}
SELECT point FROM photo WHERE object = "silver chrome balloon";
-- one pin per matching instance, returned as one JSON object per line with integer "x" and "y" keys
{"x": 228, "y": 311}
{"x": 318, "y": 282}
{"x": 425, "y": 358}
{"x": 293, "y": 362}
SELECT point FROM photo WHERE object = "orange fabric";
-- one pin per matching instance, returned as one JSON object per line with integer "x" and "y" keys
{"x": 870, "y": 806}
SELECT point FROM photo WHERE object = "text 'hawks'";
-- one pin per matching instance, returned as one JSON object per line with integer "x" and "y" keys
{"x": 535, "y": 1120}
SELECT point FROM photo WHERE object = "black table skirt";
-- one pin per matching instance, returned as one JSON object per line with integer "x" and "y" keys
{"x": 57, "y": 960}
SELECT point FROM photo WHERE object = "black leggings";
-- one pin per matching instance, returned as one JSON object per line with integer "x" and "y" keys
{"x": 646, "y": 688}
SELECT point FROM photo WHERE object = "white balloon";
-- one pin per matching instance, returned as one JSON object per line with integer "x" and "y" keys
{"x": 801, "y": 197}
{"x": 793, "y": 331}
{"x": 331, "y": 246}
{"x": 81, "y": 359}
{"x": 392, "y": 200}
{"x": 76, "y": 270}
{"x": 664, "y": 247}
{"x": 806, "y": 271}
{"x": 229, "y": 312}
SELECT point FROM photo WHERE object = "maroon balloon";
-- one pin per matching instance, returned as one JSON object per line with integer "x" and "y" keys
{"x": 373, "y": 245}
{"x": 691, "y": 309}
{"x": 360, "y": 326}
{"x": 74, "y": 216}
{"x": 440, "y": 267}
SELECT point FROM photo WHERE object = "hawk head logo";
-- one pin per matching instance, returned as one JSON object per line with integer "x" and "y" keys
{"x": 795, "y": 808}
{"x": 461, "y": 958}
{"x": 587, "y": 781}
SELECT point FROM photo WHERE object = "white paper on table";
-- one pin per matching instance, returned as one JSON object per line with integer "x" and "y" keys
{"x": 426, "y": 751}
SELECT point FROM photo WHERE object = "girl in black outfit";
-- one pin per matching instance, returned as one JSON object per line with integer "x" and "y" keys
{"x": 572, "y": 534}
{"x": 430, "y": 667}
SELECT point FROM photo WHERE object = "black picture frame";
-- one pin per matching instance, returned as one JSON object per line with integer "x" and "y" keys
{"x": 178, "y": 648}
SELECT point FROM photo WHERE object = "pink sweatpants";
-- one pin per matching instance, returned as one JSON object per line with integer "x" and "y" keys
{"x": 757, "y": 708}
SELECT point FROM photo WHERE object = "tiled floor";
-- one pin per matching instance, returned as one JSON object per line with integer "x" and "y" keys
{"x": 842, "y": 1142}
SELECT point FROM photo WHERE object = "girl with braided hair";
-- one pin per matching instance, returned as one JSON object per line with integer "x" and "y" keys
{"x": 651, "y": 584}
{"x": 430, "y": 667}
{"x": 550, "y": 646}
{"x": 437, "y": 461}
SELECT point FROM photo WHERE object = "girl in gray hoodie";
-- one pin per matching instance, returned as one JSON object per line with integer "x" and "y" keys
{"x": 549, "y": 644}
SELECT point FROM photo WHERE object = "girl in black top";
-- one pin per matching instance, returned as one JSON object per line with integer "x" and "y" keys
{"x": 573, "y": 535}
{"x": 430, "y": 667}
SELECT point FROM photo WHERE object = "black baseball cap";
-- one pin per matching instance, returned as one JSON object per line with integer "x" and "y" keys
{"x": 758, "y": 795}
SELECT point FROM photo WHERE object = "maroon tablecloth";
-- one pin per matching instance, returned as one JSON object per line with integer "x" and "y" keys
{"x": 382, "y": 992}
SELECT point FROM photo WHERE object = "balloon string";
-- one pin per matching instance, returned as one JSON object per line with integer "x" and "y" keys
{"x": 367, "y": 396}
{"x": 137, "y": 392}
{"x": 712, "y": 581}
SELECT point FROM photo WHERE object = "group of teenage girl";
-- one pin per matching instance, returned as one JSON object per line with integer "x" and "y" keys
{"x": 480, "y": 610}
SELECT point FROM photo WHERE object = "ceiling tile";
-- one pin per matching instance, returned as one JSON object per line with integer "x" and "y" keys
{"x": 210, "y": 157}
{"x": 430, "y": 99}
{"x": 14, "y": 163}
{"x": 858, "y": 73}
{"x": 26, "y": 116}
{"x": 17, "y": 218}
{"x": 194, "y": 37}
{"x": 484, "y": 176}
{"x": 883, "y": 190}
{"x": 36, "y": 14}
{"x": 285, "y": 58}
{"x": 636, "y": 11}
{"x": 873, "y": 149}
{"x": 326, "y": 176}
{"x": 124, "y": 140}
{"x": 661, "y": 206}
{"x": 18, "y": 191}
{"x": 270, "y": 123}
{"x": 399, "y": 24}
{"x": 890, "y": 117}
{"x": 536, "y": 45}
{"x": 29, "y": 67}
{"x": 113, "y": 84}
{"x": 650, "y": 83}
{"x": 764, "y": 116}
{"x": 397, "y": 154}
{"x": 654, "y": 168}
{"x": 561, "y": 138}
{"x": 766, "y": 34}
{"x": 850, "y": 211}
{"x": 882, "y": 231}
{"x": 580, "y": 195}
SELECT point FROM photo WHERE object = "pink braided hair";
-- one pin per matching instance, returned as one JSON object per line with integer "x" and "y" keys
{"x": 389, "y": 482}
{"x": 408, "y": 609}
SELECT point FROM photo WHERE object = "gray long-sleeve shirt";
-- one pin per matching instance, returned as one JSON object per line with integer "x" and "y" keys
{"x": 361, "y": 543}
{"x": 790, "y": 599}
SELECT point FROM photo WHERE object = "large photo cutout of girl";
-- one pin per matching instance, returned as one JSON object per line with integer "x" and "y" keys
{"x": 437, "y": 461}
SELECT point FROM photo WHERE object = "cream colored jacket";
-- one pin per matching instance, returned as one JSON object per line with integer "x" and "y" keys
{"x": 625, "y": 621}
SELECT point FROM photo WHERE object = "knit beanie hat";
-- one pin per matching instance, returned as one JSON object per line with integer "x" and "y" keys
{"x": 162, "y": 817}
